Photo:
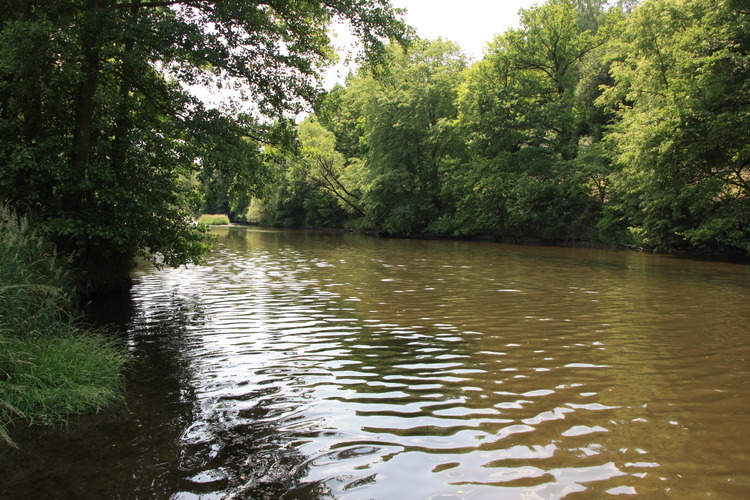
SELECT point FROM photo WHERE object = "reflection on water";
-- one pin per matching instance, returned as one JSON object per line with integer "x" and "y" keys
{"x": 314, "y": 365}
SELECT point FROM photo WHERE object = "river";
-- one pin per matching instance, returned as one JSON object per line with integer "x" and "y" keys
{"x": 309, "y": 365}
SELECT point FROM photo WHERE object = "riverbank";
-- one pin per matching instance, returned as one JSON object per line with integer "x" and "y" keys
{"x": 690, "y": 252}
{"x": 52, "y": 366}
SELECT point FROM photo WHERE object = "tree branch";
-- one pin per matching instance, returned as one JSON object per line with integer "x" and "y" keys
{"x": 164, "y": 3}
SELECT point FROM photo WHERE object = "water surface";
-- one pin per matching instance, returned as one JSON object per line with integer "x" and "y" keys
{"x": 314, "y": 365}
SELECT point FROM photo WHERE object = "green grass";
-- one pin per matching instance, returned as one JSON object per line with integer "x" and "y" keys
{"x": 50, "y": 378}
{"x": 51, "y": 366}
{"x": 213, "y": 220}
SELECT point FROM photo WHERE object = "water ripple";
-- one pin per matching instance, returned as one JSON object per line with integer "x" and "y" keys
{"x": 362, "y": 370}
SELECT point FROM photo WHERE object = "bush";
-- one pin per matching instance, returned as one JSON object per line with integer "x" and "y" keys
{"x": 213, "y": 220}
{"x": 51, "y": 367}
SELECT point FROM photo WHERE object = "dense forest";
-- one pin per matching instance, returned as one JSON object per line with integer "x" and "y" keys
{"x": 105, "y": 147}
{"x": 619, "y": 124}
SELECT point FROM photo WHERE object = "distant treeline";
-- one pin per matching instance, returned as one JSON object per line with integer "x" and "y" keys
{"x": 624, "y": 124}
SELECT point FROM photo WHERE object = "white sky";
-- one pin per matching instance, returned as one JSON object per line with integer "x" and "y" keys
{"x": 470, "y": 23}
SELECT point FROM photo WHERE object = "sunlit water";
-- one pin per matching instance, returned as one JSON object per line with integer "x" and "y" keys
{"x": 314, "y": 365}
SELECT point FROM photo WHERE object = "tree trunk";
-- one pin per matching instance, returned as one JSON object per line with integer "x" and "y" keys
{"x": 123, "y": 122}
{"x": 84, "y": 116}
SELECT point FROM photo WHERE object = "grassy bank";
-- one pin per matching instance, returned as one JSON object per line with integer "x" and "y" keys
{"x": 213, "y": 220}
{"x": 51, "y": 366}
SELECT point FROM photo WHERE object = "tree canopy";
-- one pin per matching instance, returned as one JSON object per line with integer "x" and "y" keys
{"x": 682, "y": 90}
{"x": 102, "y": 140}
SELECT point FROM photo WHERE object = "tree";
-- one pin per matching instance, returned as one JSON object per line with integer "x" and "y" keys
{"x": 525, "y": 119}
{"x": 102, "y": 141}
{"x": 378, "y": 144}
{"x": 324, "y": 167}
{"x": 406, "y": 121}
{"x": 681, "y": 142}
{"x": 541, "y": 63}
{"x": 312, "y": 185}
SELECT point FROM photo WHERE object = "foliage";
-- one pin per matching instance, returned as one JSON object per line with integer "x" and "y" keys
{"x": 100, "y": 137}
{"x": 617, "y": 122}
{"x": 394, "y": 134}
{"x": 372, "y": 156}
{"x": 526, "y": 123}
{"x": 303, "y": 192}
{"x": 50, "y": 367}
{"x": 324, "y": 167}
{"x": 213, "y": 220}
{"x": 410, "y": 138}
{"x": 682, "y": 86}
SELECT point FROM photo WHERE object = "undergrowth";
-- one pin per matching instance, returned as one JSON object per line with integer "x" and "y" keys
{"x": 51, "y": 366}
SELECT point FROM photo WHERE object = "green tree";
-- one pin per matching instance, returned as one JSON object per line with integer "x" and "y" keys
{"x": 405, "y": 120}
{"x": 99, "y": 136}
{"x": 312, "y": 186}
{"x": 525, "y": 117}
{"x": 683, "y": 91}
{"x": 342, "y": 112}
{"x": 322, "y": 166}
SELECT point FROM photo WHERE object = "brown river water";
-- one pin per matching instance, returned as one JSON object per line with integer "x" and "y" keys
{"x": 305, "y": 365}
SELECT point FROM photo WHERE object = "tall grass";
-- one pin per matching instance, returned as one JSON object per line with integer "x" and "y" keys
{"x": 51, "y": 366}
{"x": 213, "y": 220}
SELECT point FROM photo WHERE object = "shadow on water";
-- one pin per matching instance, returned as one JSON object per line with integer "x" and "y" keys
{"x": 133, "y": 443}
{"x": 153, "y": 446}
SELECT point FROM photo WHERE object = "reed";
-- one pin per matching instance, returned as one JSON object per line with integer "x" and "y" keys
{"x": 213, "y": 220}
{"x": 51, "y": 365}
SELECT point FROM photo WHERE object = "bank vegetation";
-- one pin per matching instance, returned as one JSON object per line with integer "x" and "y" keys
{"x": 52, "y": 366}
